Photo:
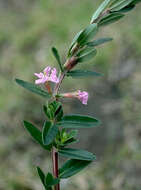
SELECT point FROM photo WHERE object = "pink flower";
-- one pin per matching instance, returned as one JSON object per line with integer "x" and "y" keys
{"x": 53, "y": 76}
{"x": 48, "y": 74}
{"x": 82, "y": 96}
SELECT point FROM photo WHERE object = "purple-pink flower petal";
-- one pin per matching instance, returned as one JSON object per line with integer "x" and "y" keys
{"x": 48, "y": 74}
{"x": 83, "y": 96}
{"x": 47, "y": 70}
{"x": 53, "y": 77}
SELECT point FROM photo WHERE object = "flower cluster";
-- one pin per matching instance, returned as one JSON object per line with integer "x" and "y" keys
{"x": 48, "y": 74}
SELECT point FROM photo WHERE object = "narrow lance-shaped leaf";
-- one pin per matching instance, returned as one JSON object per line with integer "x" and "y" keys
{"x": 81, "y": 73}
{"x": 72, "y": 167}
{"x": 87, "y": 56}
{"x": 99, "y": 42}
{"x": 120, "y": 5}
{"x": 49, "y": 133}
{"x": 111, "y": 18}
{"x": 100, "y": 10}
{"x": 42, "y": 176}
{"x": 33, "y": 88}
{"x": 78, "y": 121}
{"x": 113, "y": 2}
{"x": 127, "y": 8}
{"x": 87, "y": 34}
{"x": 74, "y": 41}
{"x": 77, "y": 154}
{"x": 36, "y": 134}
{"x": 56, "y": 55}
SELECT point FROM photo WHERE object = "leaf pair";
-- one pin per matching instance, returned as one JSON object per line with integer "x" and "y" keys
{"x": 65, "y": 138}
{"x": 118, "y": 5}
{"x": 36, "y": 134}
{"x": 53, "y": 110}
{"x": 100, "y": 9}
{"x": 89, "y": 51}
{"x": 49, "y": 133}
{"x": 123, "y": 6}
{"x": 114, "y": 11}
{"x": 84, "y": 36}
{"x": 79, "y": 160}
{"x": 44, "y": 138}
{"x": 110, "y": 18}
{"x": 48, "y": 181}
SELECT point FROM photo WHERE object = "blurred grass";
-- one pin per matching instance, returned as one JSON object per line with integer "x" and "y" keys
{"x": 28, "y": 30}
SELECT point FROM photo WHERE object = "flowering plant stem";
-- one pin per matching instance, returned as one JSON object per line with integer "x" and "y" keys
{"x": 57, "y": 133}
{"x": 55, "y": 167}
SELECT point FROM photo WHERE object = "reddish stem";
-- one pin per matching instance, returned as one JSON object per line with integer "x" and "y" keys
{"x": 55, "y": 167}
{"x": 47, "y": 85}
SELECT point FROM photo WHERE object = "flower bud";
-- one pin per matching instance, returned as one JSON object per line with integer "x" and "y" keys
{"x": 81, "y": 95}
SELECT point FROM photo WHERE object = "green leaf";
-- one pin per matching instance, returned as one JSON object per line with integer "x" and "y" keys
{"x": 72, "y": 167}
{"x": 50, "y": 180}
{"x": 57, "y": 109}
{"x": 59, "y": 113}
{"x": 81, "y": 73}
{"x": 127, "y": 8}
{"x": 53, "y": 110}
{"x": 74, "y": 41}
{"x": 84, "y": 51}
{"x": 113, "y": 2}
{"x": 69, "y": 138}
{"x": 111, "y": 18}
{"x": 120, "y": 5}
{"x": 87, "y": 56}
{"x": 101, "y": 8}
{"x": 49, "y": 133}
{"x": 69, "y": 141}
{"x": 99, "y": 42}
{"x": 36, "y": 134}
{"x": 78, "y": 121}
{"x": 73, "y": 133}
{"x": 42, "y": 176}
{"x": 33, "y": 88}
{"x": 87, "y": 34}
{"x": 47, "y": 112}
{"x": 63, "y": 138}
{"x": 77, "y": 154}
{"x": 56, "y": 55}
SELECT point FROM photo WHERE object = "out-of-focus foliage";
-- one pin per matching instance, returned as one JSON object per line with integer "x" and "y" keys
{"x": 28, "y": 30}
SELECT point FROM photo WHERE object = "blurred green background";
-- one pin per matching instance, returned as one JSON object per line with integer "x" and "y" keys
{"x": 28, "y": 30}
